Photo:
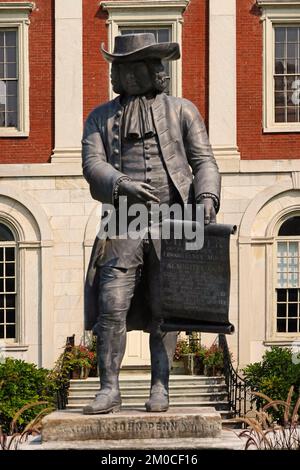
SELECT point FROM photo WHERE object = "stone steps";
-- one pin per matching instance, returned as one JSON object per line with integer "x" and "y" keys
{"x": 185, "y": 392}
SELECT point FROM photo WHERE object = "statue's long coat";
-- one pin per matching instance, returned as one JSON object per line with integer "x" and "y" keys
{"x": 188, "y": 158}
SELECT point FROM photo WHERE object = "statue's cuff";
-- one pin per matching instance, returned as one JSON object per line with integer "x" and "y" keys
{"x": 116, "y": 188}
{"x": 209, "y": 196}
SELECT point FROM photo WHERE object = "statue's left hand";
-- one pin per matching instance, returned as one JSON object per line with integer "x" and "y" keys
{"x": 209, "y": 211}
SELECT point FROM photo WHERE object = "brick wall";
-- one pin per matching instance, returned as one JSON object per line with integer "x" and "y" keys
{"x": 37, "y": 148}
{"x": 195, "y": 55}
{"x": 253, "y": 144}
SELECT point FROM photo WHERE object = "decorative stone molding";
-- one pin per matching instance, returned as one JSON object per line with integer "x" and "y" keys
{"x": 16, "y": 15}
{"x": 275, "y": 12}
{"x": 148, "y": 13}
{"x": 222, "y": 84}
{"x": 296, "y": 179}
{"x": 68, "y": 81}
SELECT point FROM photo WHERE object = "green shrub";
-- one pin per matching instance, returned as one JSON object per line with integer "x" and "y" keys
{"x": 22, "y": 383}
{"x": 274, "y": 376}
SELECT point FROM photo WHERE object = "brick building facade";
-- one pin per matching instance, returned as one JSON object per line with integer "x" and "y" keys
{"x": 240, "y": 60}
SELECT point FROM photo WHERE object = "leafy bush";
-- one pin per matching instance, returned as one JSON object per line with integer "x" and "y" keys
{"x": 213, "y": 360}
{"x": 23, "y": 383}
{"x": 274, "y": 376}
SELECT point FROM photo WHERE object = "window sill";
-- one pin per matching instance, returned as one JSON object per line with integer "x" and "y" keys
{"x": 282, "y": 341}
{"x": 13, "y": 133}
{"x": 279, "y": 130}
{"x": 13, "y": 347}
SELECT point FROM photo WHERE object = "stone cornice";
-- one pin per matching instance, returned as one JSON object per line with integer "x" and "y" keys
{"x": 25, "y": 6}
{"x": 131, "y": 4}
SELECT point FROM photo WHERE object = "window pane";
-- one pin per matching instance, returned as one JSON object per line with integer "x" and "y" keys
{"x": 281, "y": 295}
{"x": 1, "y": 38}
{"x": 1, "y": 301}
{"x": 280, "y": 66}
{"x": 1, "y": 285}
{"x": 12, "y": 88}
{"x": 1, "y": 54}
{"x": 11, "y": 119}
{"x": 292, "y": 115}
{"x": 10, "y": 316}
{"x": 292, "y": 310}
{"x": 1, "y": 269}
{"x": 279, "y": 83}
{"x": 279, "y": 51}
{"x": 7, "y": 236}
{"x": 292, "y": 326}
{"x": 11, "y": 70}
{"x": 282, "y": 248}
{"x": 279, "y": 98}
{"x": 281, "y": 326}
{"x": 10, "y": 331}
{"x": 1, "y": 316}
{"x": 281, "y": 310}
{"x": 10, "y": 254}
{"x": 1, "y": 70}
{"x": 290, "y": 227}
{"x": 10, "y": 285}
{"x": 10, "y": 269}
{"x": 10, "y": 301}
{"x": 293, "y": 295}
{"x": 1, "y": 331}
{"x": 11, "y": 54}
{"x": 12, "y": 103}
{"x": 280, "y": 114}
{"x": 292, "y": 51}
{"x": 292, "y": 34}
{"x": 10, "y": 38}
{"x": 279, "y": 34}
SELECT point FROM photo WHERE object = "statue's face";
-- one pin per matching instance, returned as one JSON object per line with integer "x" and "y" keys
{"x": 135, "y": 78}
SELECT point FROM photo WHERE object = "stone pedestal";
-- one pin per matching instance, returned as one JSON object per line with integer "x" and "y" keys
{"x": 132, "y": 424}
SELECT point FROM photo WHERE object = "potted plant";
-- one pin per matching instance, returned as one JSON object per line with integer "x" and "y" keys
{"x": 79, "y": 361}
{"x": 213, "y": 361}
{"x": 191, "y": 352}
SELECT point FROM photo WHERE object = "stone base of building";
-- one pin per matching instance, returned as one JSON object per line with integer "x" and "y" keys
{"x": 66, "y": 426}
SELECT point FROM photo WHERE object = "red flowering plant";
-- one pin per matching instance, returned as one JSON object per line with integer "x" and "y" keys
{"x": 213, "y": 361}
{"x": 80, "y": 356}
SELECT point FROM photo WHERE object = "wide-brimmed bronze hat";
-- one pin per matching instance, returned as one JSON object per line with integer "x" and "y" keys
{"x": 139, "y": 46}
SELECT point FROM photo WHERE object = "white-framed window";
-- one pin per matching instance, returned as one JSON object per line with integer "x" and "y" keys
{"x": 8, "y": 285}
{"x": 163, "y": 17}
{"x": 287, "y": 296}
{"x": 14, "y": 69}
{"x": 281, "y": 65}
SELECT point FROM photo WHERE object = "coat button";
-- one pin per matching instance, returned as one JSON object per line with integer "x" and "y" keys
{"x": 149, "y": 168}
{"x": 148, "y": 180}
{"x": 119, "y": 113}
{"x": 117, "y": 124}
{"x": 116, "y": 152}
{"x": 147, "y": 146}
{"x": 117, "y": 166}
{"x": 147, "y": 157}
{"x": 116, "y": 137}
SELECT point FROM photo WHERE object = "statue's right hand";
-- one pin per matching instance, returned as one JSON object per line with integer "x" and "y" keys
{"x": 137, "y": 192}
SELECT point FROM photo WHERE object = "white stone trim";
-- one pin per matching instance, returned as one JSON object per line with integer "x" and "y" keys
{"x": 68, "y": 81}
{"x": 222, "y": 82}
{"x": 72, "y": 166}
{"x": 16, "y": 15}
{"x": 148, "y": 13}
{"x": 34, "y": 241}
{"x": 273, "y": 13}
{"x": 247, "y": 241}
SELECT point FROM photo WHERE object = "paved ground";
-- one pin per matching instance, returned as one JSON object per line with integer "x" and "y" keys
{"x": 228, "y": 440}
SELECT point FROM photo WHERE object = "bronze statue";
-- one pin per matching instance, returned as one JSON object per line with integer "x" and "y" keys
{"x": 149, "y": 147}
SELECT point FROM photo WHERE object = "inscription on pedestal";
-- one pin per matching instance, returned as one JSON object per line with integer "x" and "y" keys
{"x": 131, "y": 425}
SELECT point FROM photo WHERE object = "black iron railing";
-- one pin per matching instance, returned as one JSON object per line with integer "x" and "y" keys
{"x": 63, "y": 377}
{"x": 239, "y": 392}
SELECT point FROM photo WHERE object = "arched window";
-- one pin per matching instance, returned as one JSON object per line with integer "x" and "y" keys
{"x": 8, "y": 290}
{"x": 288, "y": 277}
